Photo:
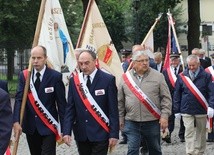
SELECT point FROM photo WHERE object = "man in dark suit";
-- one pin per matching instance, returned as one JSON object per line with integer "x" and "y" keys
{"x": 158, "y": 57}
{"x": 40, "y": 122}
{"x": 3, "y": 85}
{"x": 175, "y": 68}
{"x": 200, "y": 53}
{"x": 6, "y": 120}
{"x": 92, "y": 111}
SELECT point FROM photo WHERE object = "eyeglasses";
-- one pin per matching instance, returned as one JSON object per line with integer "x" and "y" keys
{"x": 142, "y": 60}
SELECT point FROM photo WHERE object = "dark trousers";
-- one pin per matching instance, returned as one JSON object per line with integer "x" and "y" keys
{"x": 211, "y": 135}
{"x": 93, "y": 148}
{"x": 171, "y": 126}
{"x": 41, "y": 145}
{"x": 182, "y": 129}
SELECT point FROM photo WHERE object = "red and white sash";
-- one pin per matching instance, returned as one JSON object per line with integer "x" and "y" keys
{"x": 211, "y": 71}
{"x": 172, "y": 76}
{"x": 7, "y": 151}
{"x": 90, "y": 103}
{"x": 196, "y": 92}
{"x": 152, "y": 108}
{"x": 41, "y": 111}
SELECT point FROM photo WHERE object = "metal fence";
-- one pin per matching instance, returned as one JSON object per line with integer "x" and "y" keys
{"x": 20, "y": 62}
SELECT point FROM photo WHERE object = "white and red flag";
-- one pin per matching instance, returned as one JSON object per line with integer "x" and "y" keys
{"x": 95, "y": 37}
{"x": 55, "y": 38}
{"x": 172, "y": 43}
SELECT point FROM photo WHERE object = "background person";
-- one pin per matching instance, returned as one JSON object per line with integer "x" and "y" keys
{"x": 158, "y": 57}
{"x": 190, "y": 85}
{"x": 6, "y": 120}
{"x": 175, "y": 68}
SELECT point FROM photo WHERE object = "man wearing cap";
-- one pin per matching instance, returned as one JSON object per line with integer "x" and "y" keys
{"x": 175, "y": 69}
{"x": 126, "y": 58}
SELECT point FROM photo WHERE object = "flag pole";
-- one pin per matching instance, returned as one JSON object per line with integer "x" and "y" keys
{"x": 27, "y": 83}
{"x": 152, "y": 28}
{"x": 147, "y": 35}
{"x": 82, "y": 32}
{"x": 175, "y": 35}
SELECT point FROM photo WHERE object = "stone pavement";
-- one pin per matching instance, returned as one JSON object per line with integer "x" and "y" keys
{"x": 175, "y": 148}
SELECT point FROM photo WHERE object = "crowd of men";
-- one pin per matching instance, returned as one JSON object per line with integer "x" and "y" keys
{"x": 143, "y": 106}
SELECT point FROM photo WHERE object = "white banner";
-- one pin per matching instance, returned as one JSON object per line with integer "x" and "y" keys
{"x": 55, "y": 37}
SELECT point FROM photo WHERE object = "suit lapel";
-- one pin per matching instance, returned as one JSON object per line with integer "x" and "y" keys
{"x": 44, "y": 80}
{"x": 95, "y": 80}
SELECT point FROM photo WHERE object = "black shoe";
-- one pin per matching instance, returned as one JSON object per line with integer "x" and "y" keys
{"x": 167, "y": 139}
{"x": 182, "y": 140}
{"x": 123, "y": 142}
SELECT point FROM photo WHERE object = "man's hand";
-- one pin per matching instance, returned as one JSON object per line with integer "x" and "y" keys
{"x": 163, "y": 123}
{"x": 17, "y": 130}
{"x": 112, "y": 143}
{"x": 67, "y": 140}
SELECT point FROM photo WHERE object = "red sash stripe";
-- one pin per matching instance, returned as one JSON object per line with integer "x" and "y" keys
{"x": 169, "y": 73}
{"x": 210, "y": 70}
{"x": 39, "y": 113}
{"x": 193, "y": 92}
{"x": 143, "y": 101}
{"x": 88, "y": 105}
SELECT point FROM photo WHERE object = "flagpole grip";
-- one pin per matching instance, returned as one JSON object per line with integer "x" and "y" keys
{"x": 27, "y": 84}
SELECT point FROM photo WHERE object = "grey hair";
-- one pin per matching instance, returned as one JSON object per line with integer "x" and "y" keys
{"x": 192, "y": 57}
{"x": 136, "y": 54}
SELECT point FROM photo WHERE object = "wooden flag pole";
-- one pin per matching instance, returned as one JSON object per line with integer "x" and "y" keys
{"x": 82, "y": 32}
{"x": 27, "y": 83}
{"x": 152, "y": 28}
{"x": 147, "y": 35}
{"x": 175, "y": 35}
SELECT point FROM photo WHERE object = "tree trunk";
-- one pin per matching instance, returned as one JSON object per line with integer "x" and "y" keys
{"x": 193, "y": 24}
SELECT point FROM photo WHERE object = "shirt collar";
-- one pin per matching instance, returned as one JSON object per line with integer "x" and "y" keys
{"x": 92, "y": 75}
{"x": 41, "y": 72}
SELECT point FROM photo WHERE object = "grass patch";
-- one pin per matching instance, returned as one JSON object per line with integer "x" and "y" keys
{"x": 12, "y": 84}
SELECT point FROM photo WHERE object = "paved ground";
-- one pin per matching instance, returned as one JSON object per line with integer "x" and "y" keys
{"x": 175, "y": 148}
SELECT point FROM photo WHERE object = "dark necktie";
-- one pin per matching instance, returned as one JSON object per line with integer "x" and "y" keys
{"x": 88, "y": 82}
{"x": 175, "y": 70}
{"x": 193, "y": 76}
{"x": 37, "y": 82}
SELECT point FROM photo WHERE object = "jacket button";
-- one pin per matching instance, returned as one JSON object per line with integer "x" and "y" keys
{"x": 35, "y": 115}
{"x": 86, "y": 121}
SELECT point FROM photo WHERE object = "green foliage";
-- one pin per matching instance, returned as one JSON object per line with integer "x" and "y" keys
{"x": 113, "y": 16}
{"x": 144, "y": 14}
{"x": 73, "y": 14}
